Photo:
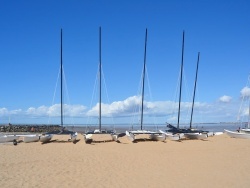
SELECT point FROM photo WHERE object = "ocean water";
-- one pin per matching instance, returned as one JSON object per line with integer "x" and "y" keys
{"x": 214, "y": 127}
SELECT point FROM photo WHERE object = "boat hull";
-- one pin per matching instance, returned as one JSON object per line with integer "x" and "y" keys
{"x": 100, "y": 137}
{"x": 73, "y": 137}
{"x": 196, "y": 136}
{"x": 245, "y": 131}
{"x": 8, "y": 138}
{"x": 145, "y": 135}
{"x": 158, "y": 137}
{"x": 30, "y": 138}
{"x": 130, "y": 136}
{"x": 171, "y": 136}
{"x": 233, "y": 134}
{"x": 45, "y": 138}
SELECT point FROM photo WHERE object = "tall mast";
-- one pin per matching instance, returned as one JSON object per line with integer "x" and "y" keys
{"x": 197, "y": 67}
{"x": 61, "y": 83}
{"x": 143, "y": 77}
{"x": 100, "y": 78}
{"x": 183, "y": 37}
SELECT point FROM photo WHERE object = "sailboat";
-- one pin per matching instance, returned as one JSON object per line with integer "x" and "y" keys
{"x": 89, "y": 135}
{"x": 46, "y": 137}
{"x": 157, "y": 136}
{"x": 189, "y": 132}
{"x": 246, "y": 129}
{"x": 194, "y": 134}
{"x": 242, "y": 132}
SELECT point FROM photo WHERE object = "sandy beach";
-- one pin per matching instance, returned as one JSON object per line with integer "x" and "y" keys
{"x": 219, "y": 161}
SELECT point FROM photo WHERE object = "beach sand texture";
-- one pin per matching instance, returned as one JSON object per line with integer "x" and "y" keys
{"x": 219, "y": 161}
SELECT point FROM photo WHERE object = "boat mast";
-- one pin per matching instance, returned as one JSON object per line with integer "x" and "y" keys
{"x": 197, "y": 67}
{"x": 61, "y": 84}
{"x": 100, "y": 78}
{"x": 183, "y": 36}
{"x": 143, "y": 77}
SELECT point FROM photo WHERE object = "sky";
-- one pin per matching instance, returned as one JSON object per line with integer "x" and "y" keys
{"x": 30, "y": 59}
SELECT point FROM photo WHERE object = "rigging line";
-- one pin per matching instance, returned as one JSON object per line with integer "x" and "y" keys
{"x": 150, "y": 96}
{"x": 106, "y": 92}
{"x": 134, "y": 114}
{"x": 198, "y": 99}
{"x": 188, "y": 97}
{"x": 175, "y": 96}
{"x": 93, "y": 96}
{"x": 53, "y": 100}
{"x": 136, "y": 109}
{"x": 67, "y": 95}
{"x": 240, "y": 113}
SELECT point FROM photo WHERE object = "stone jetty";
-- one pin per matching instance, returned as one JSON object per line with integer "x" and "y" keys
{"x": 28, "y": 128}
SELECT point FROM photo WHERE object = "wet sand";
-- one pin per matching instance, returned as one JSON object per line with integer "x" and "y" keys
{"x": 219, "y": 161}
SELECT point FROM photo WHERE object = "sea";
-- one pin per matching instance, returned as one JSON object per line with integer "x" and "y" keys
{"x": 213, "y": 127}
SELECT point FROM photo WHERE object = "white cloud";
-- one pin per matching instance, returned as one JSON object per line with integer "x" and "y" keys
{"x": 118, "y": 108}
{"x": 4, "y": 111}
{"x": 55, "y": 110}
{"x": 40, "y": 111}
{"x": 225, "y": 99}
{"x": 74, "y": 110}
{"x": 125, "y": 110}
{"x": 16, "y": 112}
{"x": 245, "y": 92}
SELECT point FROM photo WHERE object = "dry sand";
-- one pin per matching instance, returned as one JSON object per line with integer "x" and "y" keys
{"x": 219, "y": 161}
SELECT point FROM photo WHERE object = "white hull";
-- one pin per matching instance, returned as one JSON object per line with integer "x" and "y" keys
{"x": 73, "y": 137}
{"x": 174, "y": 137}
{"x": 245, "y": 131}
{"x": 209, "y": 134}
{"x": 8, "y": 138}
{"x": 88, "y": 138}
{"x": 100, "y": 137}
{"x": 197, "y": 136}
{"x": 45, "y": 138}
{"x": 30, "y": 138}
{"x": 158, "y": 137}
{"x": 130, "y": 136}
{"x": 218, "y": 133}
{"x": 237, "y": 134}
{"x": 114, "y": 137}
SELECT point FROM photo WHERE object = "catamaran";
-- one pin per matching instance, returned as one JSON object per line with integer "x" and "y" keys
{"x": 46, "y": 137}
{"x": 152, "y": 135}
{"x": 103, "y": 135}
{"x": 176, "y": 133}
{"x": 245, "y": 131}
{"x": 195, "y": 134}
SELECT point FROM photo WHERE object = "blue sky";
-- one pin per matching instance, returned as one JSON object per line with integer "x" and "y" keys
{"x": 30, "y": 58}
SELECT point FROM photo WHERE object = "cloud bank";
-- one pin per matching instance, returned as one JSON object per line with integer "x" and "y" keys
{"x": 165, "y": 111}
